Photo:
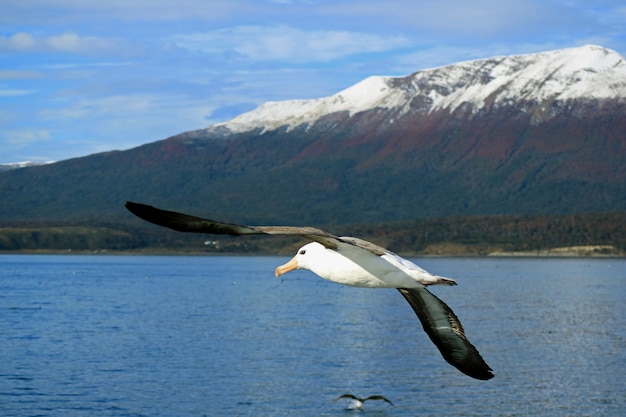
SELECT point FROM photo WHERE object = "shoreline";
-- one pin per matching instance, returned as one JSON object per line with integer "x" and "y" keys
{"x": 589, "y": 251}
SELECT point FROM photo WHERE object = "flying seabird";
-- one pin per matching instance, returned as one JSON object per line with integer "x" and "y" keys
{"x": 355, "y": 262}
{"x": 357, "y": 403}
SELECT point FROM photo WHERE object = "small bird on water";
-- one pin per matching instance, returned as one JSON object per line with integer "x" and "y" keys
{"x": 356, "y": 403}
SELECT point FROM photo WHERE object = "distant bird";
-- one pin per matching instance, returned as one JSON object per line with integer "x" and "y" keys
{"x": 357, "y": 403}
{"x": 355, "y": 262}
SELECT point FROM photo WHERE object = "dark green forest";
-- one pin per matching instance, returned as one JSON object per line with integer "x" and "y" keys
{"x": 457, "y": 235}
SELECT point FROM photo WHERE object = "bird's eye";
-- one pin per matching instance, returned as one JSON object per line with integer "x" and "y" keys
{"x": 302, "y": 252}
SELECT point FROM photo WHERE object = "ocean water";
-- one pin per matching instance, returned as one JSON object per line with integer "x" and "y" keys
{"x": 221, "y": 336}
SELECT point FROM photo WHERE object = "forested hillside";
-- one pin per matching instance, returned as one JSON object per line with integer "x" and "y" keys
{"x": 458, "y": 235}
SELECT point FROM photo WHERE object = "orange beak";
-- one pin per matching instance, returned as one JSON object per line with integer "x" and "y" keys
{"x": 289, "y": 266}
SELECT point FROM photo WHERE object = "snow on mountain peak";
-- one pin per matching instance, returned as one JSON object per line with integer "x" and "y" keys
{"x": 588, "y": 71}
{"x": 583, "y": 72}
{"x": 23, "y": 164}
{"x": 370, "y": 93}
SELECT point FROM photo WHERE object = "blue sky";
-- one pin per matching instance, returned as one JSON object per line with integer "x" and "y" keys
{"x": 84, "y": 76}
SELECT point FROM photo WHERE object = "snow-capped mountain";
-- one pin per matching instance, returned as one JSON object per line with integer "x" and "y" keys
{"x": 531, "y": 134}
{"x": 587, "y": 72}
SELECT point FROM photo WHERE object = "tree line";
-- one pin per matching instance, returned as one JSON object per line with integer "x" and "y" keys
{"x": 459, "y": 234}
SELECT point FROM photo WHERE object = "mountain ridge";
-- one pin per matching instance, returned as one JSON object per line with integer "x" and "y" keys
{"x": 378, "y": 164}
{"x": 448, "y": 87}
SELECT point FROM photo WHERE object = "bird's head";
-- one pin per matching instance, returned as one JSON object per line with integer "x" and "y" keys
{"x": 302, "y": 258}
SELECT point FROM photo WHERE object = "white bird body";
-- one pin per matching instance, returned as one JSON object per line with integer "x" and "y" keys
{"x": 354, "y": 405}
{"x": 354, "y": 266}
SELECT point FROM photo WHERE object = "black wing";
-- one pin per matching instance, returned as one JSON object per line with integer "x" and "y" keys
{"x": 378, "y": 397}
{"x": 445, "y": 330}
{"x": 186, "y": 223}
{"x": 352, "y": 397}
{"x": 192, "y": 224}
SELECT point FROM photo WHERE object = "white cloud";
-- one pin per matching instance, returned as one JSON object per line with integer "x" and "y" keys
{"x": 15, "y": 92}
{"x": 259, "y": 43}
{"x": 67, "y": 42}
{"x": 19, "y": 41}
{"x": 16, "y": 139}
{"x": 76, "y": 11}
{"x": 477, "y": 18}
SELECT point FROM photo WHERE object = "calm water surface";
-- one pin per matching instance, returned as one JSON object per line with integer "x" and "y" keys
{"x": 220, "y": 336}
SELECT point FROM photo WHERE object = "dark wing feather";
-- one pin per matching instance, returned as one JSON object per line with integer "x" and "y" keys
{"x": 192, "y": 224}
{"x": 445, "y": 330}
{"x": 364, "y": 244}
{"x": 378, "y": 397}
{"x": 352, "y": 397}
{"x": 186, "y": 223}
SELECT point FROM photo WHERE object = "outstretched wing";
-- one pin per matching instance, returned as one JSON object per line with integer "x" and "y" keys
{"x": 192, "y": 224}
{"x": 378, "y": 397}
{"x": 445, "y": 330}
{"x": 350, "y": 396}
{"x": 186, "y": 223}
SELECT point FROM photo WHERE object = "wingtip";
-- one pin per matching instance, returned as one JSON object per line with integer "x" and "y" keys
{"x": 135, "y": 207}
{"x": 474, "y": 367}
{"x": 481, "y": 371}
{"x": 484, "y": 376}
{"x": 130, "y": 204}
